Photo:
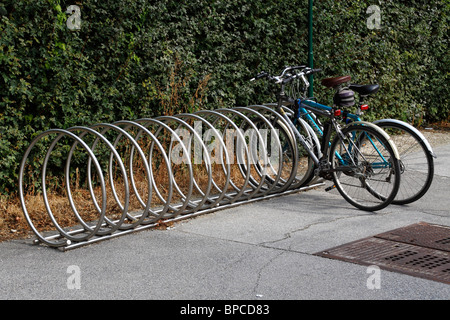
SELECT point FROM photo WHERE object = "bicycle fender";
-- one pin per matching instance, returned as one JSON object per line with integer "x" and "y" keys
{"x": 381, "y": 131}
{"x": 413, "y": 129}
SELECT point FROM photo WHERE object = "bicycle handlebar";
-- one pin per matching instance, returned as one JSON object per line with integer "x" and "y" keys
{"x": 280, "y": 79}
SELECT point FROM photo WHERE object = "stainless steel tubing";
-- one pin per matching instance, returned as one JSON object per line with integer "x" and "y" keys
{"x": 139, "y": 174}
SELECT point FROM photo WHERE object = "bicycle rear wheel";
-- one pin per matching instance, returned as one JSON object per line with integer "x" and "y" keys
{"x": 416, "y": 161}
{"x": 365, "y": 168}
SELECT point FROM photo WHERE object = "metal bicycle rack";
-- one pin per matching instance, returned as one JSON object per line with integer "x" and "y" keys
{"x": 205, "y": 161}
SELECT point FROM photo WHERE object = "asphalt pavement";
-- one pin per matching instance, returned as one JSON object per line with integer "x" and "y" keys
{"x": 259, "y": 251}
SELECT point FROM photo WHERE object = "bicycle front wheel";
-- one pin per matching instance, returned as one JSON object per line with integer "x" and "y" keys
{"x": 365, "y": 168}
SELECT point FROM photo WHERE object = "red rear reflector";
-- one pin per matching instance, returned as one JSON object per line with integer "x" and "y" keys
{"x": 364, "y": 107}
{"x": 337, "y": 113}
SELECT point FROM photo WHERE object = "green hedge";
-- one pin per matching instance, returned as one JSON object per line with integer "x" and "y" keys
{"x": 136, "y": 58}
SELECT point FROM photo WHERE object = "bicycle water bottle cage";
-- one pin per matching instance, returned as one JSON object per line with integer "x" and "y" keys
{"x": 336, "y": 81}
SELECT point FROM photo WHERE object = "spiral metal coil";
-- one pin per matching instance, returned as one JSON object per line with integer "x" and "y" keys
{"x": 174, "y": 167}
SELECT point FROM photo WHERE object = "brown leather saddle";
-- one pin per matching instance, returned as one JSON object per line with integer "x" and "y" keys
{"x": 361, "y": 89}
{"x": 336, "y": 81}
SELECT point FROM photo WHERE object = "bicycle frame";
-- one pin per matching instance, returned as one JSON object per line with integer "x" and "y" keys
{"x": 325, "y": 111}
{"x": 302, "y": 110}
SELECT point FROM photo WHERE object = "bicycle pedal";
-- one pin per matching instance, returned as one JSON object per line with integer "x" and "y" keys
{"x": 330, "y": 188}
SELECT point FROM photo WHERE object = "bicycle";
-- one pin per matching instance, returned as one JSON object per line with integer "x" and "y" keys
{"x": 416, "y": 154}
{"x": 359, "y": 157}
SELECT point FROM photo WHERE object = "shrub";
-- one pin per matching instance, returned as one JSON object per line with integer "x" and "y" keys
{"x": 137, "y": 58}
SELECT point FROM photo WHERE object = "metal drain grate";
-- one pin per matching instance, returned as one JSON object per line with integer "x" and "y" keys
{"x": 420, "y": 250}
{"x": 421, "y": 234}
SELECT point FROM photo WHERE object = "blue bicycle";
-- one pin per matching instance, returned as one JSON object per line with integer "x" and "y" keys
{"x": 416, "y": 154}
{"x": 359, "y": 157}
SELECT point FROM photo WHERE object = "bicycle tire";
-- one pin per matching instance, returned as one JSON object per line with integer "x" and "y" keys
{"x": 367, "y": 174}
{"x": 416, "y": 160}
